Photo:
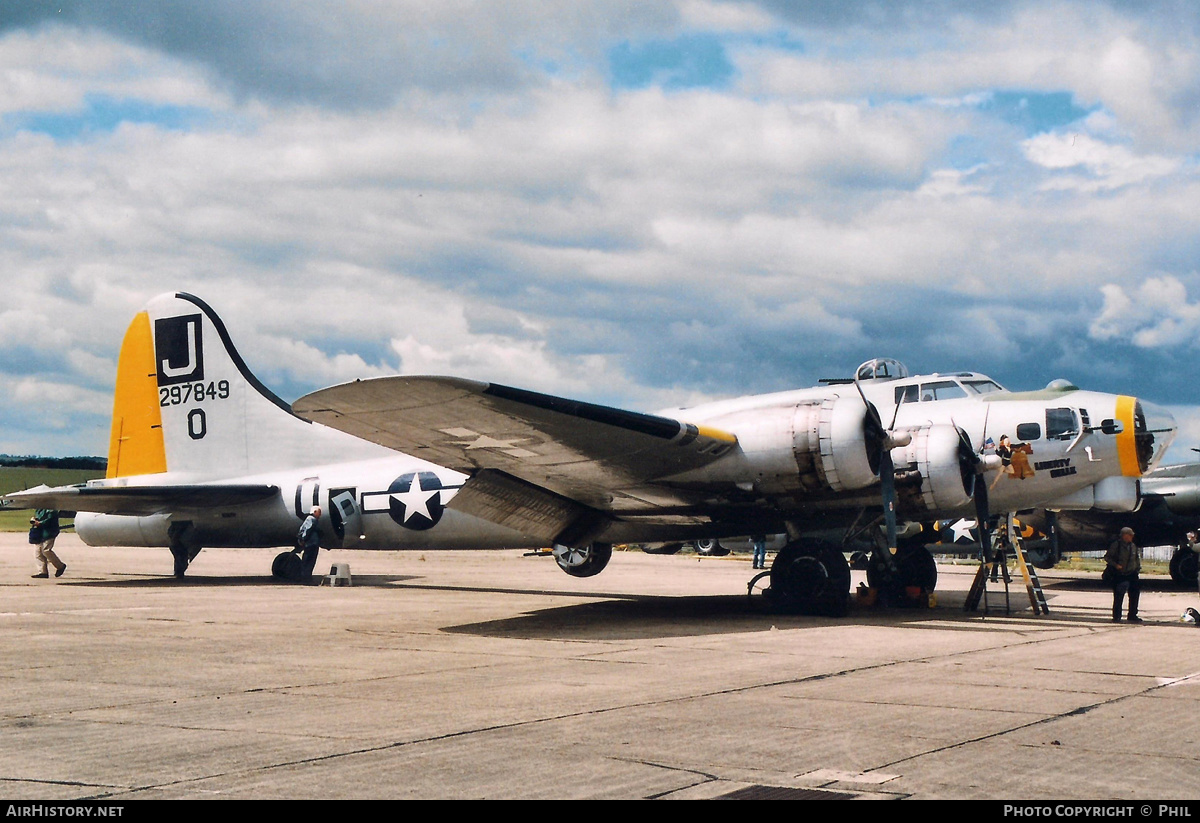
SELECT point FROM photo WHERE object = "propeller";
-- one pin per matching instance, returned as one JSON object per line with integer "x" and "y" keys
{"x": 973, "y": 465}
{"x": 880, "y": 441}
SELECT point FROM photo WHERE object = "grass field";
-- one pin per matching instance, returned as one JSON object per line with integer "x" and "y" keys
{"x": 17, "y": 478}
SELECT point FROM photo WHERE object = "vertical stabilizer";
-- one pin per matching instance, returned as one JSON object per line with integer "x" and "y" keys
{"x": 186, "y": 402}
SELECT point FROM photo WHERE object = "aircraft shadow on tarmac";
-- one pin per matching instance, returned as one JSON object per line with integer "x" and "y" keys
{"x": 224, "y": 581}
{"x": 1083, "y": 584}
{"x": 618, "y": 617}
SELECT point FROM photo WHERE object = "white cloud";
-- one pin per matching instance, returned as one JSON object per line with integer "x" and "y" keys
{"x": 1140, "y": 63}
{"x": 1107, "y": 166}
{"x": 40, "y": 72}
{"x": 705, "y": 14}
{"x": 646, "y": 247}
{"x": 1157, "y": 314}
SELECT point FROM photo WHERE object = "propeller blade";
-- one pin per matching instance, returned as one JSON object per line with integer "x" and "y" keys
{"x": 973, "y": 462}
{"x": 981, "y": 517}
{"x": 887, "y": 483}
{"x": 870, "y": 406}
{"x": 880, "y": 442}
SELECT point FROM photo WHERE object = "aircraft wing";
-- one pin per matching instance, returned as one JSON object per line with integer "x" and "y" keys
{"x": 544, "y": 457}
{"x": 137, "y": 500}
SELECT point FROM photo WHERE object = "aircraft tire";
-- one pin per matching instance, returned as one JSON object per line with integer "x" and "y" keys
{"x": 879, "y": 576}
{"x": 286, "y": 566}
{"x": 1189, "y": 568}
{"x": 1173, "y": 565}
{"x": 1041, "y": 555}
{"x": 669, "y": 548}
{"x": 917, "y": 568}
{"x": 811, "y": 579}
{"x": 710, "y": 548}
{"x": 583, "y": 562}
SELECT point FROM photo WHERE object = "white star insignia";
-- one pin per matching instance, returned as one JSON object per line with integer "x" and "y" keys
{"x": 960, "y": 530}
{"x": 415, "y": 500}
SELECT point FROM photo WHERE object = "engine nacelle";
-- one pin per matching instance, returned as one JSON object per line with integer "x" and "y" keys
{"x": 1112, "y": 494}
{"x": 114, "y": 530}
{"x": 813, "y": 447}
{"x": 947, "y": 480}
{"x": 1181, "y": 494}
{"x": 848, "y": 458}
{"x": 829, "y": 444}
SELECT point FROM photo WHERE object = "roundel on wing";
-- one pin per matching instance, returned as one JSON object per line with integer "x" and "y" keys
{"x": 415, "y": 500}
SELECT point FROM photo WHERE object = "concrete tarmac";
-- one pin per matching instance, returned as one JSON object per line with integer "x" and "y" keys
{"x": 495, "y": 675}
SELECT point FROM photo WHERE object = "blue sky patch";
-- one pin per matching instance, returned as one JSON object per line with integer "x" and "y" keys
{"x": 101, "y": 114}
{"x": 1035, "y": 112}
{"x": 690, "y": 61}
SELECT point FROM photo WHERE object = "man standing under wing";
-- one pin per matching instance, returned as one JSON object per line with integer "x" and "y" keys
{"x": 1124, "y": 559}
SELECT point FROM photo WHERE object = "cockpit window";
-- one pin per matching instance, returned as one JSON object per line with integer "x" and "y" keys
{"x": 906, "y": 394}
{"x": 942, "y": 390}
{"x": 881, "y": 368}
{"x": 982, "y": 386}
{"x": 1061, "y": 424}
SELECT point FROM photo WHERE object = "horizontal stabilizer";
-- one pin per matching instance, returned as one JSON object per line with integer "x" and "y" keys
{"x": 139, "y": 500}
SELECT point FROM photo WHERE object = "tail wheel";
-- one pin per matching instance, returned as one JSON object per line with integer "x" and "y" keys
{"x": 585, "y": 562}
{"x": 287, "y": 566}
{"x": 811, "y": 579}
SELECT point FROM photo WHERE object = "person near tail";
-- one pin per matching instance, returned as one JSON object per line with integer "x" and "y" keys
{"x": 308, "y": 540}
{"x": 46, "y": 520}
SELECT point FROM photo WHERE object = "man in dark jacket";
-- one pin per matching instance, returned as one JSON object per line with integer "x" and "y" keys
{"x": 1124, "y": 559}
{"x": 47, "y": 521}
{"x": 309, "y": 541}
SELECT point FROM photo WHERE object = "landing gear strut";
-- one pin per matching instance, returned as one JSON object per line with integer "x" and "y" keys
{"x": 810, "y": 578}
{"x": 181, "y": 552}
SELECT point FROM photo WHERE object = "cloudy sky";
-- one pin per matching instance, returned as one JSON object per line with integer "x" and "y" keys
{"x": 643, "y": 205}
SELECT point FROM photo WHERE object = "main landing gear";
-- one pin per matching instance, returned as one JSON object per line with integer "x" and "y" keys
{"x": 1184, "y": 566}
{"x": 813, "y": 578}
{"x": 810, "y": 578}
{"x": 585, "y": 562}
{"x": 183, "y": 551}
{"x": 912, "y": 567}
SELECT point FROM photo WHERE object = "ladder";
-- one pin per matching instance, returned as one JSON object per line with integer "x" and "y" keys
{"x": 1033, "y": 585}
{"x": 997, "y": 568}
